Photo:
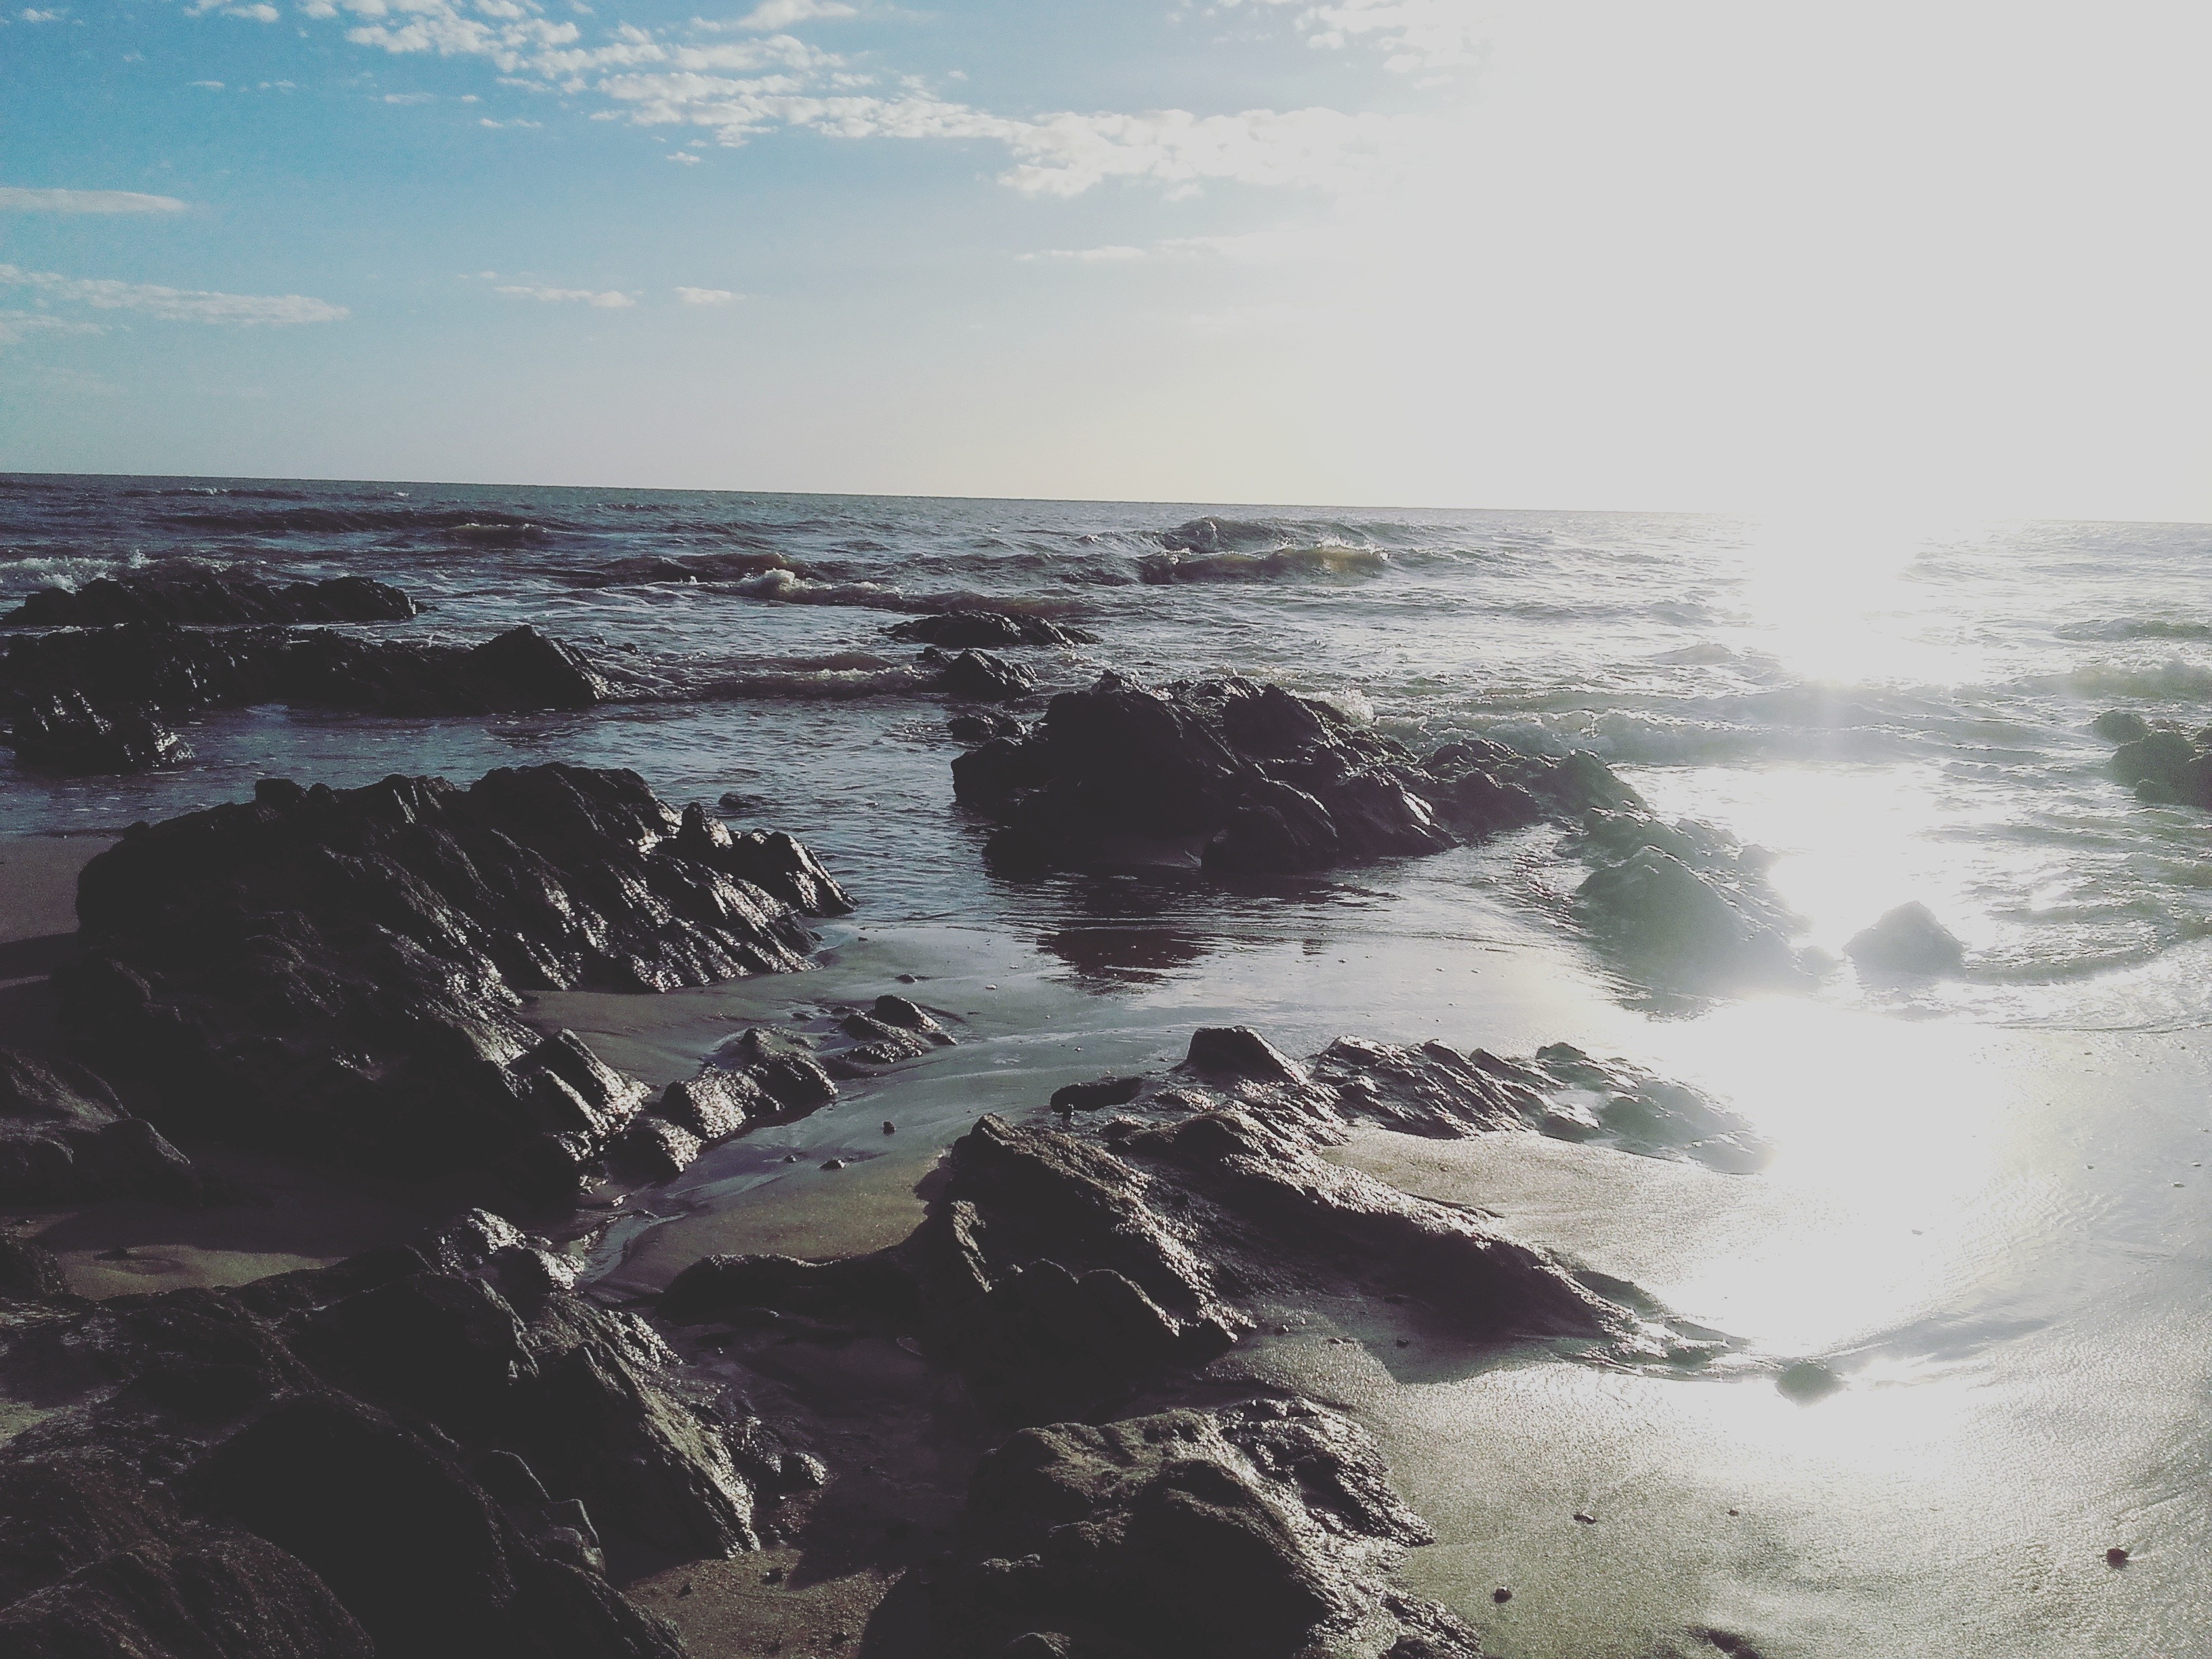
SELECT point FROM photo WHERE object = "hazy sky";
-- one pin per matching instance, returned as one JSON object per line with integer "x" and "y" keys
{"x": 1576, "y": 253}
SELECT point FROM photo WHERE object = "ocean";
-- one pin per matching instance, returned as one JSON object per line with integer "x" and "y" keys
{"x": 1986, "y": 1215}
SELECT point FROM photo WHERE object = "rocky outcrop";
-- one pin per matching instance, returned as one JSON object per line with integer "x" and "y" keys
{"x": 429, "y": 1451}
{"x": 209, "y": 596}
{"x": 174, "y": 670}
{"x": 1254, "y": 1531}
{"x": 980, "y": 676}
{"x": 963, "y": 629}
{"x": 1908, "y": 940}
{"x": 64, "y": 1138}
{"x": 65, "y": 732}
{"x": 1686, "y": 904}
{"x": 2164, "y": 763}
{"x": 341, "y": 972}
{"x": 1063, "y": 1271}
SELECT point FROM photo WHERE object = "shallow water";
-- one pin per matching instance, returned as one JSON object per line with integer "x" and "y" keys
{"x": 1899, "y": 713}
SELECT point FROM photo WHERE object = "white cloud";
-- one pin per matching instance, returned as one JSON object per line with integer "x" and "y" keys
{"x": 782, "y": 13}
{"x": 707, "y": 296}
{"x": 1114, "y": 254}
{"x": 17, "y": 199}
{"x": 32, "y": 15}
{"x": 16, "y": 327}
{"x": 683, "y": 155}
{"x": 258, "y": 13}
{"x": 1412, "y": 34}
{"x": 611, "y": 300}
{"x": 212, "y": 86}
{"x": 411, "y": 97}
{"x": 176, "y": 305}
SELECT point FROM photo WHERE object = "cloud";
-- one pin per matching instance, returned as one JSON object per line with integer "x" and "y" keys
{"x": 611, "y": 300}
{"x": 260, "y": 13}
{"x": 411, "y": 97}
{"x": 782, "y": 13}
{"x": 1412, "y": 34}
{"x": 685, "y": 156}
{"x": 32, "y": 15}
{"x": 707, "y": 296}
{"x": 176, "y": 305}
{"x": 16, "y": 327}
{"x": 738, "y": 90}
{"x": 1114, "y": 254}
{"x": 15, "y": 198}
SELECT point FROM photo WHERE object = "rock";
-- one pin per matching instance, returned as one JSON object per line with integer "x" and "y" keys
{"x": 715, "y": 1104}
{"x": 1908, "y": 940}
{"x": 1263, "y": 1529}
{"x": 63, "y": 732}
{"x": 1654, "y": 908}
{"x": 653, "y": 1149}
{"x": 179, "y": 592}
{"x": 2116, "y": 1556}
{"x": 972, "y": 728}
{"x": 64, "y": 1138}
{"x": 1093, "y": 1097}
{"x": 339, "y": 972}
{"x": 738, "y": 806}
{"x": 29, "y": 1271}
{"x": 2165, "y": 764}
{"x": 961, "y": 629}
{"x": 168, "y": 669}
{"x": 980, "y": 676}
{"x": 428, "y": 1449}
{"x": 1240, "y": 1051}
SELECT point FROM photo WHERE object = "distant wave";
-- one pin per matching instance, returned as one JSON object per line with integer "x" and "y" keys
{"x": 2135, "y": 627}
{"x": 1163, "y": 569}
{"x": 2167, "y": 681}
{"x": 464, "y": 524}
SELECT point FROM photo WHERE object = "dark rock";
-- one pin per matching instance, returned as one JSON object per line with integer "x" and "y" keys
{"x": 1693, "y": 926}
{"x": 737, "y": 805}
{"x": 654, "y": 1149}
{"x": 171, "y": 670}
{"x": 1240, "y": 1533}
{"x": 1908, "y": 940}
{"x": 194, "y": 593}
{"x": 715, "y": 1104}
{"x": 1240, "y": 1051}
{"x": 339, "y": 972}
{"x": 2120, "y": 726}
{"x": 65, "y": 732}
{"x": 29, "y": 1270}
{"x": 2165, "y": 764}
{"x": 432, "y": 1445}
{"x": 961, "y": 629}
{"x": 1092, "y": 1096}
{"x": 64, "y": 1138}
{"x": 983, "y": 727}
{"x": 980, "y": 675}
{"x": 2116, "y": 1556}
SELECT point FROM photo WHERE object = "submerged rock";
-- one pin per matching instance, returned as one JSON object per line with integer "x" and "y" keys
{"x": 206, "y": 596}
{"x": 63, "y": 732}
{"x": 1908, "y": 940}
{"x": 1253, "y": 1531}
{"x": 341, "y": 972}
{"x": 64, "y": 1138}
{"x": 961, "y": 629}
{"x": 421, "y": 1451}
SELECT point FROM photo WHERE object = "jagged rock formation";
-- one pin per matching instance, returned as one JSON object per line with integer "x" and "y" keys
{"x": 1063, "y": 1271}
{"x": 1257, "y": 1531}
{"x": 963, "y": 629}
{"x": 163, "y": 667}
{"x": 340, "y": 972}
{"x": 64, "y": 1138}
{"x": 209, "y": 596}
{"x": 1243, "y": 778}
{"x": 65, "y": 733}
{"x": 980, "y": 676}
{"x": 423, "y": 1451}
{"x": 2164, "y": 763}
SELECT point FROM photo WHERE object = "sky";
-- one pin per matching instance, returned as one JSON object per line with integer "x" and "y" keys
{"x": 1937, "y": 258}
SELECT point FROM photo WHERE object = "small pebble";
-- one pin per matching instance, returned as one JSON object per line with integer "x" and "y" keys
{"x": 1585, "y": 1517}
{"x": 2116, "y": 1556}
{"x": 1501, "y": 1595}
{"x": 773, "y": 1575}
{"x": 686, "y": 1591}
{"x": 835, "y": 1163}
{"x": 1736, "y": 1511}
{"x": 1403, "y": 1343}
{"x": 908, "y": 979}
{"x": 990, "y": 987}
{"x": 890, "y": 1129}
{"x": 791, "y": 1157}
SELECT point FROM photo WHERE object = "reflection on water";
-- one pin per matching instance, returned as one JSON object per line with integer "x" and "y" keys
{"x": 1104, "y": 957}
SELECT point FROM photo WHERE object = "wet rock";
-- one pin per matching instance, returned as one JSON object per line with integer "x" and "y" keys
{"x": 29, "y": 1270}
{"x": 1908, "y": 940}
{"x": 1243, "y": 1531}
{"x": 738, "y": 805}
{"x": 961, "y": 630}
{"x": 340, "y": 971}
{"x": 1692, "y": 928}
{"x": 716, "y": 1102}
{"x": 200, "y": 594}
{"x": 64, "y": 1138}
{"x": 980, "y": 675}
{"x": 65, "y": 732}
{"x": 2165, "y": 763}
{"x": 983, "y": 727}
{"x": 1094, "y": 1097}
{"x": 654, "y": 1149}
{"x": 435, "y": 1445}
{"x": 1240, "y": 1051}
{"x": 169, "y": 669}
